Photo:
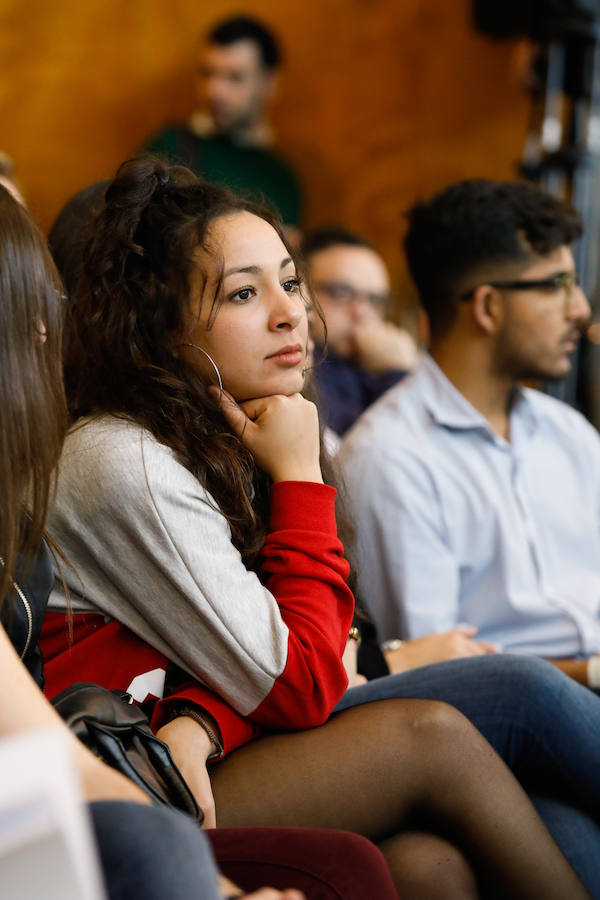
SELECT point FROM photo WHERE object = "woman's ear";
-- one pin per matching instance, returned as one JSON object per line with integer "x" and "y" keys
{"x": 488, "y": 308}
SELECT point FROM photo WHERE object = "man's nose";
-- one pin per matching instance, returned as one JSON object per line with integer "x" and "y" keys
{"x": 579, "y": 308}
{"x": 214, "y": 86}
{"x": 361, "y": 307}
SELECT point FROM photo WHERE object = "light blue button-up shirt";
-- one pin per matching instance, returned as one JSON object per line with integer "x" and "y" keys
{"x": 457, "y": 525}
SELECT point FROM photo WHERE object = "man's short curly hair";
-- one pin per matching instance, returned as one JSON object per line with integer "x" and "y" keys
{"x": 475, "y": 227}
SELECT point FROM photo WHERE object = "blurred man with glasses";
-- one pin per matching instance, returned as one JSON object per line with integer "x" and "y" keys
{"x": 365, "y": 354}
{"x": 476, "y": 499}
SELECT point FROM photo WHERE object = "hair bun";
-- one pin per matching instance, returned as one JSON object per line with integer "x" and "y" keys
{"x": 128, "y": 197}
{"x": 163, "y": 179}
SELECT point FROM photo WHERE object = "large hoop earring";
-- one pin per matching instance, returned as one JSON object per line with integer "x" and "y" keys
{"x": 211, "y": 361}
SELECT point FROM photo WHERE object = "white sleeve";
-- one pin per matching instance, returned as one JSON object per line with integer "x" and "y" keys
{"x": 151, "y": 549}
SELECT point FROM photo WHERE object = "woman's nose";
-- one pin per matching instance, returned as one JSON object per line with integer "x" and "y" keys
{"x": 287, "y": 311}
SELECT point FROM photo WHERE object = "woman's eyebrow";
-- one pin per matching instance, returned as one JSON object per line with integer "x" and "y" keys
{"x": 254, "y": 270}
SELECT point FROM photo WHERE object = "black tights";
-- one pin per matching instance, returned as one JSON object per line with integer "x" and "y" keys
{"x": 396, "y": 766}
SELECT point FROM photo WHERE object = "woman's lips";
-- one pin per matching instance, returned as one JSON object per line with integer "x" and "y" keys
{"x": 291, "y": 355}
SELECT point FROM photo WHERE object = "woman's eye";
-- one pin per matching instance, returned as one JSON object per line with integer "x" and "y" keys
{"x": 242, "y": 295}
{"x": 291, "y": 285}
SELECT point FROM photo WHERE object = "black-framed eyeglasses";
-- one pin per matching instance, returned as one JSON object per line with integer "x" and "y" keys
{"x": 345, "y": 295}
{"x": 562, "y": 281}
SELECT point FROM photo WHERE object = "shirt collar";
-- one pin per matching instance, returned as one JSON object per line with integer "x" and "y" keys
{"x": 451, "y": 409}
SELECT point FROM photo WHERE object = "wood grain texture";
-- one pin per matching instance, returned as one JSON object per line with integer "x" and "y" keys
{"x": 380, "y": 101}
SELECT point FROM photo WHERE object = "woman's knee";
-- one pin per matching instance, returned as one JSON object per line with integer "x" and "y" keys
{"x": 427, "y": 725}
{"x": 428, "y": 867}
{"x": 435, "y": 723}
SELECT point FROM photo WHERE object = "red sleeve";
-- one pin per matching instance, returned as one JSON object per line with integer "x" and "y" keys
{"x": 109, "y": 654}
{"x": 235, "y": 730}
{"x": 306, "y": 572}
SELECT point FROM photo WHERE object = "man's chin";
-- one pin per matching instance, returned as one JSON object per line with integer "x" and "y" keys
{"x": 221, "y": 122}
{"x": 563, "y": 367}
{"x": 552, "y": 372}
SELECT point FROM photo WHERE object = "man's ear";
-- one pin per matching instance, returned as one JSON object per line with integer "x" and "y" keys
{"x": 488, "y": 308}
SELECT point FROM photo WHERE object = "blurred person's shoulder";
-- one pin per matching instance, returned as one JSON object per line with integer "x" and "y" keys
{"x": 399, "y": 419}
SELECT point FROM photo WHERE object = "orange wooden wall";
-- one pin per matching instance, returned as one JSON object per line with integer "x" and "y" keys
{"x": 380, "y": 101}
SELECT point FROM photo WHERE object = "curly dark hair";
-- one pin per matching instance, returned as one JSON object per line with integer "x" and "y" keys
{"x": 129, "y": 306}
{"x": 474, "y": 227}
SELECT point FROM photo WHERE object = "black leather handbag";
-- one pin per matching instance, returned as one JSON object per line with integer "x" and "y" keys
{"x": 117, "y": 731}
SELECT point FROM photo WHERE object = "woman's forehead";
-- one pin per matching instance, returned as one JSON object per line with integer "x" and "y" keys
{"x": 243, "y": 240}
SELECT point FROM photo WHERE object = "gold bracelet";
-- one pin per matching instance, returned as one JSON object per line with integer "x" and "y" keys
{"x": 354, "y": 634}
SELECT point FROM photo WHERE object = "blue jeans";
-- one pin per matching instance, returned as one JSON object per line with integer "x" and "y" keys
{"x": 152, "y": 853}
{"x": 543, "y": 725}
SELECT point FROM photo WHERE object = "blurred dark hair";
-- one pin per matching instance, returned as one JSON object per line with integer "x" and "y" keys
{"x": 33, "y": 415}
{"x": 129, "y": 308}
{"x": 327, "y": 236}
{"x": 474, "y": 229}
{"x": 70, "y": 231}
{"x": 245, "y": 28}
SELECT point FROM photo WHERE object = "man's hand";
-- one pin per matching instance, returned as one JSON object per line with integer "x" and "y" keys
{"x": 577, "y": 669}
{"x": 433, "y": 648}
{"x": 190, "y": 747}
{"x": 382, "y": 346}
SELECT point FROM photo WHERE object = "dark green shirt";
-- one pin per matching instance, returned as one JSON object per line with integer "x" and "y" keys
{"x": 254, "y": 172}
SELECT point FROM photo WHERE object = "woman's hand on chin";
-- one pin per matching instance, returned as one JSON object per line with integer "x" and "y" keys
{"x": 281, "y": 432}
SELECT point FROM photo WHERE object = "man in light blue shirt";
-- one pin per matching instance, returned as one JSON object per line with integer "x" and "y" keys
{"x": 477, "y": 500}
